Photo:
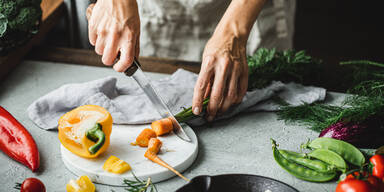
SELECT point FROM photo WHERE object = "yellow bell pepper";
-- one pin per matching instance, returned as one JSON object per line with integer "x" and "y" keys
{"x": 83, "y": 184}
{"x": 115, "y": 165}
{"x": 86, "y": 130}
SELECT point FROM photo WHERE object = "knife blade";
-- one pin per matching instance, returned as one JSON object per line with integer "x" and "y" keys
{"x": 137, "y": 74}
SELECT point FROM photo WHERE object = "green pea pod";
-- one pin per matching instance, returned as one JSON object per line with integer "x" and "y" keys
{"x": 329, "y": 157}
{"x": 347, "y": 151}
{"x": 299, "y": 171}
{"x": 303, "y": 160}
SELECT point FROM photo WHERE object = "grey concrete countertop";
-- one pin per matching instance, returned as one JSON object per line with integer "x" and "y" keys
{"x": 237, "y": 145}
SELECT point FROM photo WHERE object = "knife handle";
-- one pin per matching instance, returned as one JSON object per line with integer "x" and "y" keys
{"x": 133, "y": 68}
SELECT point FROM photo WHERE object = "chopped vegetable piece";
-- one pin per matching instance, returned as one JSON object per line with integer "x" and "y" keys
{"x": 83, "y": 184}
{"x": 86, "y": 130}
{"x": 115, "y": 165}
{"x": 162, "y": 126}
{"x": 151, "y": 153}
{"x": 143, "y": 139}
{"x": 154, "y": 146}
{"x": 16, "y": 142}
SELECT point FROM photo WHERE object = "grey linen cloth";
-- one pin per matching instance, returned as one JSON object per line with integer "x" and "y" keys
{"x": 129, "y": 105}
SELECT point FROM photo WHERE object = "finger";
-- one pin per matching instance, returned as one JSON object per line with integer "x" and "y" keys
{"x": 218, "y": 88}
{"x": 126, "y": 57}
{"x": 208, "y": 90}
{"x": 111, "y": 49}
{"x": 89, "y": 11}
{"x": 92, "y": 33}
{"x": 231, "y": 95}
{"x": 243, "y": 82}
{"x": 202, "y": 82}
{"x": 100, "y": 43}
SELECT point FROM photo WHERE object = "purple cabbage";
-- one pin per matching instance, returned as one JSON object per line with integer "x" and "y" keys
{"x": 369, "y": 134}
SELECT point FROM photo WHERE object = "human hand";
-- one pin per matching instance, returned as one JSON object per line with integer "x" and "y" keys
{"x": 114, "y": 26}
{"x": 224, "y": 74}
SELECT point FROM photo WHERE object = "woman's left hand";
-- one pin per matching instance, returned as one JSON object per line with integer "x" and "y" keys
{"x": 224, "y": 73}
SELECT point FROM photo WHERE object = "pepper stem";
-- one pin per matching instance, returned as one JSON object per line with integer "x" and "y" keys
{"x": 96, "y": 135}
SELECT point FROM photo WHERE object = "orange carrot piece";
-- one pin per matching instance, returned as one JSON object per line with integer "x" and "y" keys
{"x": 143, "y": 139}
{"x": 162, "y": 126}
{"x": 151, "y": 153}
{"x": 154, "y": 145}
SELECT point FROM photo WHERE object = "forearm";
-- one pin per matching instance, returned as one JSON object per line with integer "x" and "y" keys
{"x": 239, "y": 18}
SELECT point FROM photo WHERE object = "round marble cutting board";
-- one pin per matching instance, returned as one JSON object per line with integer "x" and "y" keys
{"x": 176, "y": 152}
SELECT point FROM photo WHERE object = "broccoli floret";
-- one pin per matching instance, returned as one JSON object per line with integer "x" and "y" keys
{"x": 8, "y": 8}
{"x": 25, "y": 3}
{"x": 19, "y": 20}
{"x": 25, "y": 20}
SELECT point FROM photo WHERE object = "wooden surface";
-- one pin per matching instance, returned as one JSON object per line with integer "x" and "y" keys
{"x": 89, "y": 57}
{"x": 49, "y": 6}
{"x": 52, "y": 11}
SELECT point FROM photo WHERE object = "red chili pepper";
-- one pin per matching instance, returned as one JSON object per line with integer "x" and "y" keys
{"x": 377, "y": 164}
{"x": 16, "y": 142}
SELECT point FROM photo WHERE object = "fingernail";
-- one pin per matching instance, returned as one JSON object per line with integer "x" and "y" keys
{"x": 196, "y": 111}
{"x": 210, "y": 118}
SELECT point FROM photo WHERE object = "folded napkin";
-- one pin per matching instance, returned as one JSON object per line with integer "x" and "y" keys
{"x": 128, "y": 104}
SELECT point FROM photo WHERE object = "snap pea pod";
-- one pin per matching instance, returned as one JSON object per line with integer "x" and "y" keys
{"x": 299, "y": 171}
{"x": 303, "y": 160}
{"x": 329, "y": 157}
{"x": 347, "y": 151}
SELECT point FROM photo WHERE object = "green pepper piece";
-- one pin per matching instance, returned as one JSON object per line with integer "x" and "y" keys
{"x": 96, "y": 135}
{"x": 299, "y": 171}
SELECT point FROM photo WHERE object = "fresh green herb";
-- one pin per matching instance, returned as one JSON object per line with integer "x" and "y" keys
{"x": 138, "y": 185}
{"x": 268, "y": 65}
{"x": 367, "y": 102}
{"x": 317, "y": 116}
{"x": 187, "y": 113}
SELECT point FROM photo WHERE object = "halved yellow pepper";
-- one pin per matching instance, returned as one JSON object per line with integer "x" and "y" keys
{"x": 115, "y": 165}
{"x": 83, "y": 184}
{"x": 86, "y": 130}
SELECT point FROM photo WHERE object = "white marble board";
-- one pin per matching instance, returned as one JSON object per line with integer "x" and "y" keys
{"x": 176, "y": 152}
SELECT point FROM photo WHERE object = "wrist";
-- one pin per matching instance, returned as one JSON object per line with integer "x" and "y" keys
{"x": 239, "y": 18}
{"x": 232, "y": 29}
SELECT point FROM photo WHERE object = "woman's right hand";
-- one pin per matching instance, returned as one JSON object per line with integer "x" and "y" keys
{"x": 114, "y": 26}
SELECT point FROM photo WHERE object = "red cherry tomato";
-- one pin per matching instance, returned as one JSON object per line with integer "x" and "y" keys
{"x": 354, "y": 185}
{"x": 32, "y": 185}
{"x": 377, "y": 163}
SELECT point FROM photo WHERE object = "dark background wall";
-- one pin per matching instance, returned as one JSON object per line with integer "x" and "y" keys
{"x": 338, "y": 30}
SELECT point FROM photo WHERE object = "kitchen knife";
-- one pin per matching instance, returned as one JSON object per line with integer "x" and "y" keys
{"x": 136, "y": 73}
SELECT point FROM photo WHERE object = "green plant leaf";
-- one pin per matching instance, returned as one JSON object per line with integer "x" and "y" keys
{"x": 3, "y": 25}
